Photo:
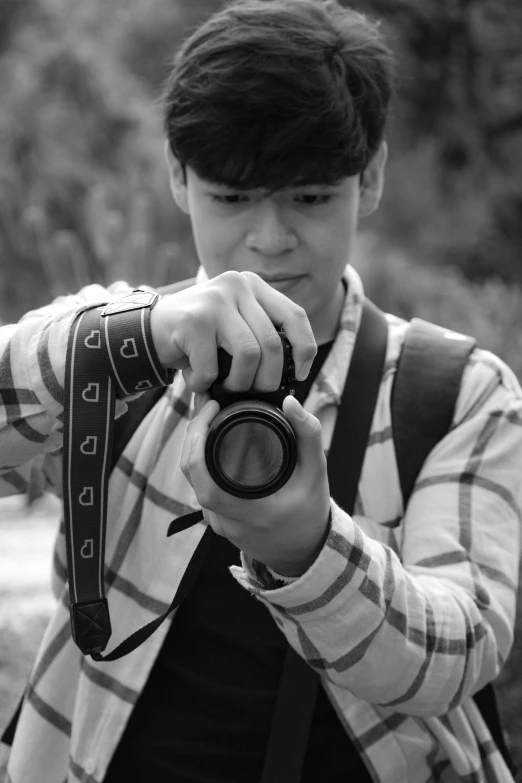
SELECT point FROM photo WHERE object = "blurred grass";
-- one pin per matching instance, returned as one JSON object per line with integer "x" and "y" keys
{"x": 26, "y": 603}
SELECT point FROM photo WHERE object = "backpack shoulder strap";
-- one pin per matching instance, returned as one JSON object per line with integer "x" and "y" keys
{"x": 425, "y": 390}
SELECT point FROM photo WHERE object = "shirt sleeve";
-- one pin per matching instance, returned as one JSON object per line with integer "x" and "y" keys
{"x": 32, "y": 372}
{"x": 422, "y": 628}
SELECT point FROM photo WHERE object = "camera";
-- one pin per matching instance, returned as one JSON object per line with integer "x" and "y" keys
{"x": 251, "y": 448}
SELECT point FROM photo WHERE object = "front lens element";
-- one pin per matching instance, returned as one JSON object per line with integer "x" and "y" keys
{"x": 251, "y": 454}
{"x": 251, "y": 449}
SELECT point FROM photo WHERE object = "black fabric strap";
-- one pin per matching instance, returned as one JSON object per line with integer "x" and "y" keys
{"x": 293, "y": 716}
{"x": 355, "y": 414}
{"x": 87, "y": 442}
{"x": 425, "y": 389}
{"x": 98, "y": 351}
{"x": 185, "y": 586}
{"x": 127, "y": 339}
{"x": 297, "y": 693}
{"x": 9, "y": 731}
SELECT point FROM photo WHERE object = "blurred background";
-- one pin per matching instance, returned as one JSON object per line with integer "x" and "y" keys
{"x": 84, "y": 198}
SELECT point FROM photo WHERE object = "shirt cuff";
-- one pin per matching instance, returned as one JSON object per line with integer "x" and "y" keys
{"x": 290, "y": 591}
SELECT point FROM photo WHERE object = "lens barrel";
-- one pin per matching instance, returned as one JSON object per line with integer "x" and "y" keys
{"x": 251, "y": 449}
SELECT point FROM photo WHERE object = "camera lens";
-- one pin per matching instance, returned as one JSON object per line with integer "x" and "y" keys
{"x": 250, "y": 454}
{"x": 250, "y": 450}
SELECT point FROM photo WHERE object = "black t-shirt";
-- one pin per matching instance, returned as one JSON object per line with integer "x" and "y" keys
{"x": 204, "y": 715}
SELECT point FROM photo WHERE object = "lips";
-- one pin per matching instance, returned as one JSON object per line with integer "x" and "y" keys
{"x": 280, "y": 278}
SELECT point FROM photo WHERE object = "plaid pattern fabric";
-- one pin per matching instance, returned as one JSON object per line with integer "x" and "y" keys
{"x": 405, "y": 613}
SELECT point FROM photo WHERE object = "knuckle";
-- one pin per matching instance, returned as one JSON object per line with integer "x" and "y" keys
{"x": 190, "y": 380}
{"x": 250, "y": 352}
{"x": 197, "y": 319}
{"x": 205, "y": 379}
{"x": 189, "y": 319}
{"x": 233, "y": 278}
{"x": 197, "y": 382}
{"x": 315, "y": 426}
{"x": 204, "y": 497}
{"x": 272, "y": 342}
{"x": 215, "y": 299}
{"x": 300, "y": 314}
{"x": 301, "y": 317}
{"x": 250, "y": 278}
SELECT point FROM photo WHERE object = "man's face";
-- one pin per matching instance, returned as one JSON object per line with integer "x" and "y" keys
{"x": 298, "y": 239}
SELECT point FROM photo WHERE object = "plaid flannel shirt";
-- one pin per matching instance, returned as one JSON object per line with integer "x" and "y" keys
{"x": 406, "y": 613}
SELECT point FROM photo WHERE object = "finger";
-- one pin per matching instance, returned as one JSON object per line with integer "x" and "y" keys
{"x": 201, "y": 353}
{"x": 202, "y": 421}
{"x": 307, "y": 430}
{"x": 200, "y": 399}
{"x": 241, "y": 344}
{"x": 282, "y": 311}
{"x": 196, "y": 430}
{"x": 195, "y": 468}
{"x": 270, "y": 367}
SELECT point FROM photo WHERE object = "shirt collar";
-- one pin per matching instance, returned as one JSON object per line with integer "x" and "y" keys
{"x": 331, "y": 379}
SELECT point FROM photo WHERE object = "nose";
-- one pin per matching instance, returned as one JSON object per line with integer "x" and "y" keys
{"x": 269, "y": 233}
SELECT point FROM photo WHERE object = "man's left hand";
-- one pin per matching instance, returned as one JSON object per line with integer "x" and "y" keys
{"x": 285, "y": 530}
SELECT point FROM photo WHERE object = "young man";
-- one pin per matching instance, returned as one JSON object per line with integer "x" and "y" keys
{"x": 275, "y": 116}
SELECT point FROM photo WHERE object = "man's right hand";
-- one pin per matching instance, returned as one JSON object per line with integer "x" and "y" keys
{"x": 235, "y": 311}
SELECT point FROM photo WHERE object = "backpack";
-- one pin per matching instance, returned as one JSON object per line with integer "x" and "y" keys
{"x": 424, "y": 393}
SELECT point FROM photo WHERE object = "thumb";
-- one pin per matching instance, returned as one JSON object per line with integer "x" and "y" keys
{"x": 306, "y": 426}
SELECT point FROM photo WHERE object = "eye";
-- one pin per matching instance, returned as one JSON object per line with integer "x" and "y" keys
{"x": 314, "y": 199}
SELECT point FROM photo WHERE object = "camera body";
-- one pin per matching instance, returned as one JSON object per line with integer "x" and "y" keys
{"x": 251, "y": 448}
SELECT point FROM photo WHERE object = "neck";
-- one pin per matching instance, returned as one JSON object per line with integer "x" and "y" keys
{"x": 325, "y": 322}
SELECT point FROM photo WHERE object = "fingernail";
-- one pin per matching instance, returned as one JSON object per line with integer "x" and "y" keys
{"x": 298, "y": 409}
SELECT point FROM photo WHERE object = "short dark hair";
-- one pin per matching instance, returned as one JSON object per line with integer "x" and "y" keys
{"x": 273, "y": 93}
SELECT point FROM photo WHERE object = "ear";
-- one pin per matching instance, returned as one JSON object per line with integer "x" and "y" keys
{"x": 372, "y": 182}
{"x": 177, "y": 179}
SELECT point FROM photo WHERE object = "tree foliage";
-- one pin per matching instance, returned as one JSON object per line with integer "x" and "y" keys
{"x": 80, "y": 83}
{"x": 459, "y": 115}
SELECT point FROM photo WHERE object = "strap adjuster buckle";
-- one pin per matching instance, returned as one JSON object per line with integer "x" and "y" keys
{"x": 137, "y": 300}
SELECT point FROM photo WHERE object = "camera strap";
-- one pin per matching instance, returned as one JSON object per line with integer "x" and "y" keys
{"x": 110, "y": 347}
{"x": 90, "y": 392}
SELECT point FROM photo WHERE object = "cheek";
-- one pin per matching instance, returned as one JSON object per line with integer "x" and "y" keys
{"x": 215, "y": 244}
{"x": 332, "y": 242}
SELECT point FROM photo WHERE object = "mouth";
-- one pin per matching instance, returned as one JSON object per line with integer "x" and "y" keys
{"x": 280, "y": 278}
